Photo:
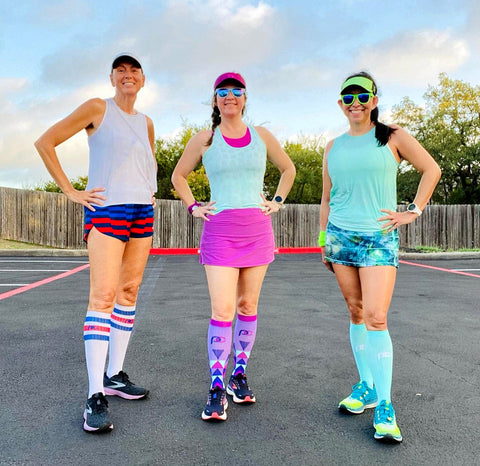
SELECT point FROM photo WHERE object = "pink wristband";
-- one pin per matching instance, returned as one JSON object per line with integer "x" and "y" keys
{"x": 190, "y": 207}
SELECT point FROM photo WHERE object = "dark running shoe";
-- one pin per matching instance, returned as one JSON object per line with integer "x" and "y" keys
{"x": 121, "y": 386}
{"x": 216, "y": 407}
{"x": 239, "y": 389}
{"x": 96, "y": 414}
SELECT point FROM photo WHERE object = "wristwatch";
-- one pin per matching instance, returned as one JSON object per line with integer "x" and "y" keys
{"x": 279, "y": 200}
{"x": 413, "y": 208}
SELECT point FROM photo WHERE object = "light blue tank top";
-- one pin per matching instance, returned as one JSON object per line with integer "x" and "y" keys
{"x": 121, "y": 159}
{"x": 235, "y": 174}
{"x": 364, "y": 180}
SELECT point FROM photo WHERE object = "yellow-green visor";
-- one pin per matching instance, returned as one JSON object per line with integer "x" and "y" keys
{"x": 359, "y": 81}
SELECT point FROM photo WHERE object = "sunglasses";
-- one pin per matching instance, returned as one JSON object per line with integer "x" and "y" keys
{"x": 349, "y": 99}
{"x": 236, "y": 92}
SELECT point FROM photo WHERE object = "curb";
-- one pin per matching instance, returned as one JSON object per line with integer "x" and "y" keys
{"x": 84, "y": 253}
{"x": 43, "y": 252}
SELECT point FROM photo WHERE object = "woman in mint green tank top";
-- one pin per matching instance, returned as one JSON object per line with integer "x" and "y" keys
{"x": 359, "y": 238}
{"x": 237, "y": 240}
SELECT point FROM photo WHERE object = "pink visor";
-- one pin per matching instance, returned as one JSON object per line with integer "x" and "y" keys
{"x": 230, "y": 77}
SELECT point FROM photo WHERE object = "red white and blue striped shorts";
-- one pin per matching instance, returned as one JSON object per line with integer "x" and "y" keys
{"x": 123, "y": 221}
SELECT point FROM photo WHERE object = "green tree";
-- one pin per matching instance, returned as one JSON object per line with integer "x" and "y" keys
{"x": 198, "y": 182}
{"x": 449, "y": 128}
{"x": 167, "y": 154}
{"x": 307, "y": 156}
{"x": 78, "y": 183}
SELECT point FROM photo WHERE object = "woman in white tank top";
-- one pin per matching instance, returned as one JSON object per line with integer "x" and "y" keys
{"x": 118, "y": 206}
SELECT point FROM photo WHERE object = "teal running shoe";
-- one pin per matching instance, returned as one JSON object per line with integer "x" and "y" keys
{"x": 362, "y": 397}
{"x": 385, "y": 423}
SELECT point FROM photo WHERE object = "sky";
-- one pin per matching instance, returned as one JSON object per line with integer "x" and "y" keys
{"x": 294, "y": 55}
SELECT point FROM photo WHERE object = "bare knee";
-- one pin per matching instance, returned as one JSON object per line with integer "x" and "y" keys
{"x": 376, "y": 320}
{"x": 102, "y": 301}
{"x": 127, "y": 293}
{"x": 247, "y": 307}
{"x": 356, "y": 311}
{"x": 223, "y": 313}
{"x": 376, "y": 324}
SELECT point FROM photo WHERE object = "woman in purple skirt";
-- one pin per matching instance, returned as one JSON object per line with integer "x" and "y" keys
{"x": 237, "y": 241}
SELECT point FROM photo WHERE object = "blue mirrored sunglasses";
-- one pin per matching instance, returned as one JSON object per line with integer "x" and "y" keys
{"x": 224, "y": 91}
{"x": 364, "y": 98}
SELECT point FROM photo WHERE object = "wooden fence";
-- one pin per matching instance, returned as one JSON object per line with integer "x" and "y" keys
{"x": 49, "y": 219}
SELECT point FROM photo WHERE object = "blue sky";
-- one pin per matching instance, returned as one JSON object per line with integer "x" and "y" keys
{"x": 293, "y": 54}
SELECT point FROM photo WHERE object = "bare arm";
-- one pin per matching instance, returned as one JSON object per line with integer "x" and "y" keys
{"x": 285, "y": 166}
{"x": 191, "y": 157}
{"x": 327, "y": 187}
{"x": 412, "y": 151}
{"x": 88, "y": 116}
{"x": 325, "y": 204}
{"x": 151, "y": 139}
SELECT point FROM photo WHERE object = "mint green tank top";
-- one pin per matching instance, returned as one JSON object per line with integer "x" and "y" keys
{"x": 364, "y": 180}
{"x": 235, "y": 174}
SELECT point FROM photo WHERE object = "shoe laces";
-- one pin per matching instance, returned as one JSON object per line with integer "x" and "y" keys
{"x": 384, "y": 413}
{"x": 99, "y": 403}
{"x": 241, "y": 380}
{"x": 124, "y": 378}
{"x": 359, "y": 390}
{"x": 216, "y": 395}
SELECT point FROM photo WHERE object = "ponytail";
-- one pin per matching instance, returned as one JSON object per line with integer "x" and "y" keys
{"x": 382, "y": 131}
{"x": 216, "y": 120}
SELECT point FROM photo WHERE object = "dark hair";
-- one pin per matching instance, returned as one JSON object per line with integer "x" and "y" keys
{"x": 382, "y": 131}
{"x": 216, "y": 120}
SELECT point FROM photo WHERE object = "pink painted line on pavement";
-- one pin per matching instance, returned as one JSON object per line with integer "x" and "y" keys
{"x": 441, "y": 269}
{"x": 181, "y": 251}
{"x": 9, "y": 294}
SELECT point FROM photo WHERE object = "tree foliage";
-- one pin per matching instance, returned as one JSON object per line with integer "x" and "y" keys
{"x": 167, "y": 154}
{"x": 307, "y": 155}
{"x": 449, "y": 128}
{"x": 78, "y": 183}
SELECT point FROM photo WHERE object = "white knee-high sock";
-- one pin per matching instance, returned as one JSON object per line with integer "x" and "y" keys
{"x": 121, "y": 326}
{"x": 96, "y": 332}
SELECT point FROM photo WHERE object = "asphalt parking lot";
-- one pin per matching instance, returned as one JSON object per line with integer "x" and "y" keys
{"x": 300, "y": 368}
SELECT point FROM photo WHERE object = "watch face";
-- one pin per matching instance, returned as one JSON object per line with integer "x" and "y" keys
{"x": 278, "y": 199}
{"x": 411, "y": 207}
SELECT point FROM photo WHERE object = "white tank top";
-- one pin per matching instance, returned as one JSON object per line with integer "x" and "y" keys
{"x": 121, "y": 159}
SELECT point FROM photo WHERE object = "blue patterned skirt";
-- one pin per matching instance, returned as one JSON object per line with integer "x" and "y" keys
{"x": 361, "y": 249}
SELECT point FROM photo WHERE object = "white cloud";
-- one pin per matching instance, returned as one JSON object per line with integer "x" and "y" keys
{"x": 21, "y": 165}
{"x": 416, "y": 57}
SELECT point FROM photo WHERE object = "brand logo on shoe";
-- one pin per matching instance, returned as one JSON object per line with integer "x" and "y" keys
{"x": 88, "y": 410}
{"x": 114, "y": 384}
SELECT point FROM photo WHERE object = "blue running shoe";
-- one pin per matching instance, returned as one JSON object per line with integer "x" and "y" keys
{"x": 217, "y": 404}
{"x": 385, "y": 423}
{"x": 96, "y": 415}
{"x": 239, "y": 389}
{"x": 362, "y": 397}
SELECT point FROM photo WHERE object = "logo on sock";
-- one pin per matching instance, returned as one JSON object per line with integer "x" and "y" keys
{"x": 217, "y": 340}
{"x": 245, "y": 332}
{"x": 385, "y": 354}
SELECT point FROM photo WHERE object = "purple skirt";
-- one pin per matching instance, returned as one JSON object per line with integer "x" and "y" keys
{"x": 237, "y": 238}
